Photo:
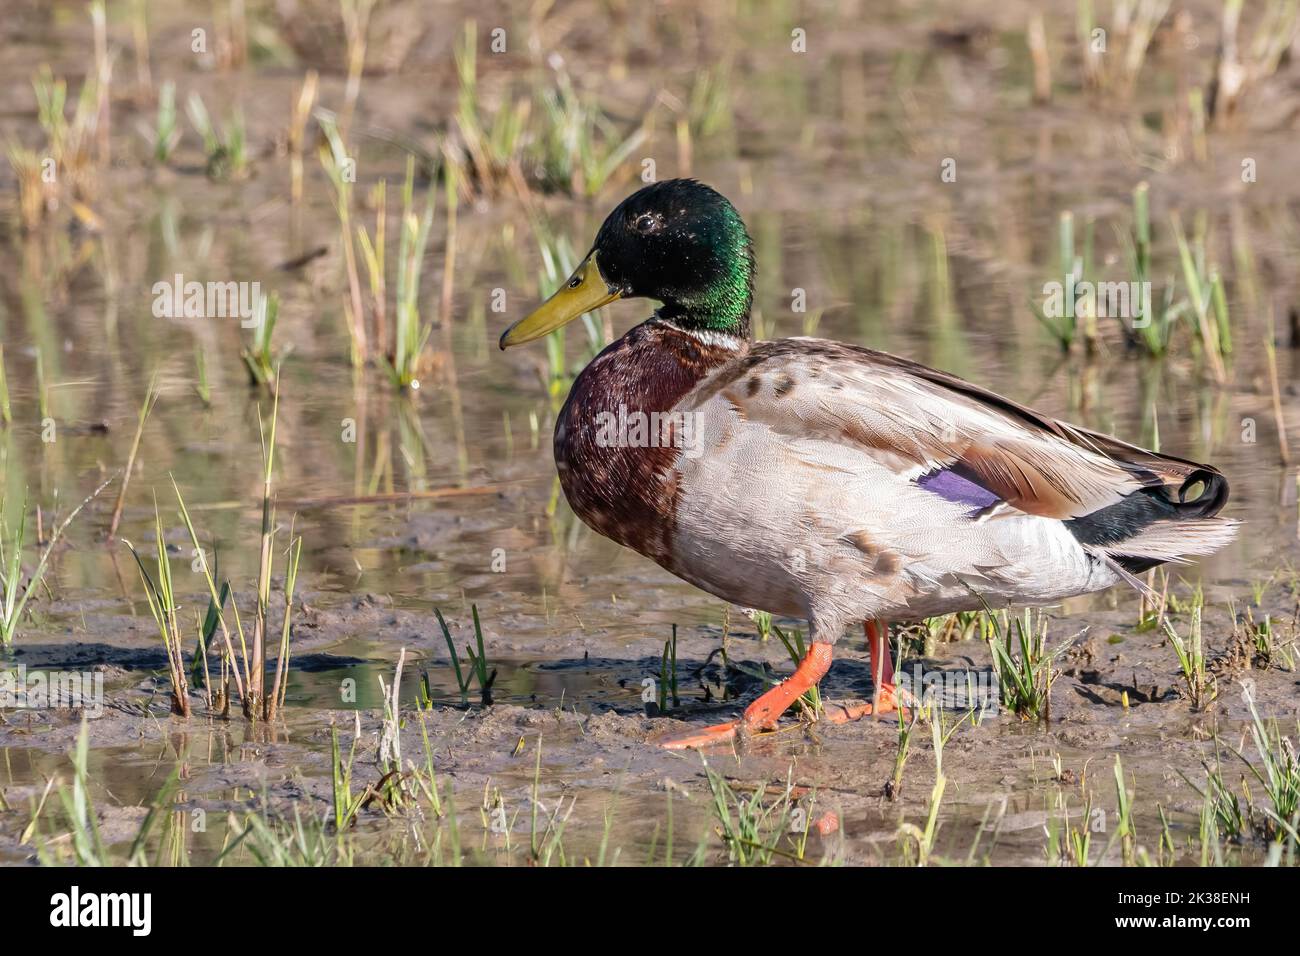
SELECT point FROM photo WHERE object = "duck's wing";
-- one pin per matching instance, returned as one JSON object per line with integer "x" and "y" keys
{"x": 970, "y": 445}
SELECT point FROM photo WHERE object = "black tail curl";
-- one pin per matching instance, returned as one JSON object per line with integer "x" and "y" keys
{"x": 1208, "y": 500}
{"x": 1111, "y": 526}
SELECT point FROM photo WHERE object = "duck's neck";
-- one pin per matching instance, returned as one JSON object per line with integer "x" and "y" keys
{"x": 721, "y": 305}
{"x": 727, "y": 324}
{"x": 733, "y": 337}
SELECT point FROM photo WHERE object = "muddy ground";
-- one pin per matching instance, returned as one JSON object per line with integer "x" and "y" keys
{"x": 1118, "y": 695}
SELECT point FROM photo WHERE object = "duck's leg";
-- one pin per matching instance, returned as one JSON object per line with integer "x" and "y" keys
{"x": 885, "y": 694}
{"x": 767, "y": 710}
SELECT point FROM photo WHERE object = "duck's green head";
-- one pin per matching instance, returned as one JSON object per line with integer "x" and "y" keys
{"x": 677, "y": 241}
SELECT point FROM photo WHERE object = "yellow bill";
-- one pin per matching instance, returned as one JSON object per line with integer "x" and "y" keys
{"x": 585, "y": 291}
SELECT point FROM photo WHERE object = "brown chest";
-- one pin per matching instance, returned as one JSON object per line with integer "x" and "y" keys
{"x": 620, "y": 434}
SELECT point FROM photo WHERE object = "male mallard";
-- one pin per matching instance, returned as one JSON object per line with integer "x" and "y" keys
{"x": 827, "y": 481}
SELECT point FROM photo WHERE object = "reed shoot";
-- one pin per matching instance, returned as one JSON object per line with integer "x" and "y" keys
{"x": 1200, "y": 687}
{"x": 1025, "y": 677}
{"x": 166, "y": 134}
{"x": 150, "y": 398}
{"x": 410, "y": 334}
{"x": 161, "y": 595}
{"x": 14, "y": 594}
{"x": 224, "y": 146}
{"x": 260, "y": 357}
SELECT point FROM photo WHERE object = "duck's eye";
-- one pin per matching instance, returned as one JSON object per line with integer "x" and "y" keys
{"x": 646, "y": 223}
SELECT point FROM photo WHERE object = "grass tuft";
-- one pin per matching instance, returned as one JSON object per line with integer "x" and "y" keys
{"x": 161, "y": 595}
{"x": 248, "y": 668}
{"x": 225, "y": 147}
{"x": 1199, "y": 686}
{"x": 165, "y": 135}
{"x": 14, "y": 594}
{"x": 478, "y": 662}
{"x": 1025, "y": 676}
{"x": 410, "y": 333}
{"x": 754, "y": 831}
{"x": 260, "y": 357}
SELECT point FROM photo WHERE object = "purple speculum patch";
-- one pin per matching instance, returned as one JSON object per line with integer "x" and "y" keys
{"x": 947, "y": 484}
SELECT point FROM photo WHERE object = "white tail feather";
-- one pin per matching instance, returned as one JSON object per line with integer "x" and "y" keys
{"x": 1137, "y": 584}
{"x": 1176, "y": 540}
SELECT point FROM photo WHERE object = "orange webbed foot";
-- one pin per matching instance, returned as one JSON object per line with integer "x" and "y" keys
{"x": 699, "y": 739}
{"x": 890, "y": 700}
{"x": 764, "y": 713}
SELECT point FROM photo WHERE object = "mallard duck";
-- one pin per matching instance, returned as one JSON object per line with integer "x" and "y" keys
{"x": 828, "y": 481}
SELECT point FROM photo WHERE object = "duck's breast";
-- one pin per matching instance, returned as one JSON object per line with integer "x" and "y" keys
{"x": 620, "y": 434}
